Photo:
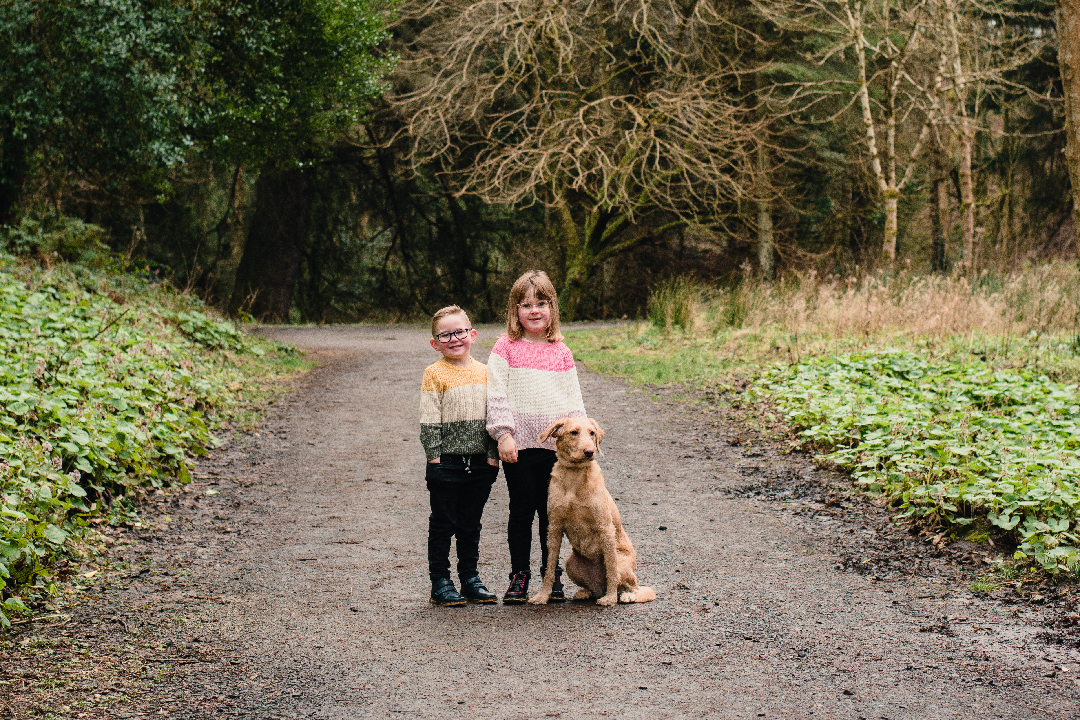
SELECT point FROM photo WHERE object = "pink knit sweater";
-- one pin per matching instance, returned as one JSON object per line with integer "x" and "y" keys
{"x": 529, "y": 387}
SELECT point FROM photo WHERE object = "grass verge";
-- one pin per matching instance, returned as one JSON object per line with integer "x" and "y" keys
{"x": 971, "y": 415}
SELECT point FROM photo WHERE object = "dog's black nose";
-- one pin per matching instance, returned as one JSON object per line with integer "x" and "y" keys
{"x": 588, "y": 453}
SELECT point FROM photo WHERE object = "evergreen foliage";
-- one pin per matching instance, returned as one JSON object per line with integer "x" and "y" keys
{"x": 92, "y": 88}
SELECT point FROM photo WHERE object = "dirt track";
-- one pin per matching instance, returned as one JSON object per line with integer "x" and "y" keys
{"x": 300, "y": 588}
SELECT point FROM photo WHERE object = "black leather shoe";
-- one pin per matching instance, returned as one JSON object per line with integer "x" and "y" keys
{"x": 518, "y": 592}
{"x": 557, "y": 593}
{"x": 444, "y": 594}
{"x": 473, "y": 589}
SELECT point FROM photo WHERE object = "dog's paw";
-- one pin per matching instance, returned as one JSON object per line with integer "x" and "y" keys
{"x": 582, "y": 594}
{"x": 539, "y": 599}
{"x": 642, "y": 594}
{"x": 608, "y": 600}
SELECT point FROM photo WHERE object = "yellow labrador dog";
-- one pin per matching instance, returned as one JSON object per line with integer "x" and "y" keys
{"x": 579, "y": 505}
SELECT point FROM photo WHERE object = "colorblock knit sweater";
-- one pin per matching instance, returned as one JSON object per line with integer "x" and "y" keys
{"x": 453, "y": 400}
{"x": 529, "y": 387}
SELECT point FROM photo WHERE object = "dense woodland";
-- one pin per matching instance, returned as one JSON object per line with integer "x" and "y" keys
{"x": 334, "y": 161}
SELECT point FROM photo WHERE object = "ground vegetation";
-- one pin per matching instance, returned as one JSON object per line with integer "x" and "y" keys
{"x": 953, "y": 402}
{"x": 111, "y": 383}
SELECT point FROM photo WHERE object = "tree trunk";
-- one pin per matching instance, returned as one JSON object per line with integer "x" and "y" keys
{"x": 764, "y": 216}
{"x": 13, "y": 170}
{"x": 863, "y": 94}
{"x": 1068, "y": 38}
{"x": 941, "y": 217}
{"x": 585, "y": 248}
{"x": 270, "y": 265}
{"x": 967, "y": 194}
{"x": 570, "y": 251}
{"x": 763, "y": 182}
{"x": 891, "y": 225}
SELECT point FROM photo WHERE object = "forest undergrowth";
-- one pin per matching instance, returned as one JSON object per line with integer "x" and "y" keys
{"x": 111, "y": 383}
{"x": 953, "y": 399}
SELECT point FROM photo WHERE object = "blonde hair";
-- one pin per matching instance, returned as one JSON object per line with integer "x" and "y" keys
{"x": 445, "y": 312}
{"x": 540, "y": 284}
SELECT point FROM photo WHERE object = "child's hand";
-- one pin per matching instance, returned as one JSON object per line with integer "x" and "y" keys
{"x": 436, "y": 461}
{"x": 508, "y": 448}
{"x": 493, "y": 462}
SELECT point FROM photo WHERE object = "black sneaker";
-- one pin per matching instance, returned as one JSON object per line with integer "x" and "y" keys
{"x": 518, "y": 592}
{"x": 473, "y": 589}
{"x": 444, "y": 594}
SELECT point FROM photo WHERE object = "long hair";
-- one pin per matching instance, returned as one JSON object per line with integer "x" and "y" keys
{"x": 540, "y": 284}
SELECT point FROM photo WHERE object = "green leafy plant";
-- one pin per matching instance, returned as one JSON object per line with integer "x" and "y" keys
{"x": 108, "y": 384}
{"x": 951, "y": 438}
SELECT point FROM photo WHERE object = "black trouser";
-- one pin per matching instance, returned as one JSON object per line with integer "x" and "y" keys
{"x": 527, "y": 482}
{"x": 459, "y": 486}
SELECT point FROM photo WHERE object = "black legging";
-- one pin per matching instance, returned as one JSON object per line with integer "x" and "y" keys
{"x": 527, "y": 482}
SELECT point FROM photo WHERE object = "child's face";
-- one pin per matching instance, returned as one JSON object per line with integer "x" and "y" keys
{"x": 534, "y": 314}
{"x": 453, "y": 348}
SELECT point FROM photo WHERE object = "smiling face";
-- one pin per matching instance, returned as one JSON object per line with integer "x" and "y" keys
{"x": 454, "y": 349}
{"x": 534, "y": 314}
{"x": 526, "y": 317}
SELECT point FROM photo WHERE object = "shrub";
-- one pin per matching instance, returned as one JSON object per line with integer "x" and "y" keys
{"x": 107, "y": 384}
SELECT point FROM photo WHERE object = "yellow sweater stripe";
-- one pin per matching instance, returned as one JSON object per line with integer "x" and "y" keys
{"x": 442, "y": 375}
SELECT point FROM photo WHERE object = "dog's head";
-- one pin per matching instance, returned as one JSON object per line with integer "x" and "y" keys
{"x": 577, "y": 440}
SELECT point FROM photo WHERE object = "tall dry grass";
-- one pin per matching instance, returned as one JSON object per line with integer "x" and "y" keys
{"x": 1044, "y": 299}
{"x": 676, "y": 302}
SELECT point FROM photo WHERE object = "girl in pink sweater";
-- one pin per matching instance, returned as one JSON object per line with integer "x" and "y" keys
{"x": 532, "y": 382}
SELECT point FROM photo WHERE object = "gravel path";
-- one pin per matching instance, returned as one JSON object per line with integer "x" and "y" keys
{"x": 299, "y": 587}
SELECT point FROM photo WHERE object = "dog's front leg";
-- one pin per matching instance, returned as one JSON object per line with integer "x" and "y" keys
{"x": 611, "y": 568}
{"x": 554, "y": 543}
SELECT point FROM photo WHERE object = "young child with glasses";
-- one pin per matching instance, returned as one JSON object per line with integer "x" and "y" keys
{"x": 532, "y": 382}
{"x": 462, "y": 458}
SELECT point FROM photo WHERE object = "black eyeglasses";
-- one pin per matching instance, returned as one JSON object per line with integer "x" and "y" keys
{"x": 453, "y": 335}
{"x": 528, "y": 307}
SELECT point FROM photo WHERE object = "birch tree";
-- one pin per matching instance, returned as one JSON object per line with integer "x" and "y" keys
{"x": 885, "y": 42}
{"x": 979, "y": 43}
{"x": 921, "y": 68}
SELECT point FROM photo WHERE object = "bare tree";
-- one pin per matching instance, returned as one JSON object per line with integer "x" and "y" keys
{"x": 923, "y": 70}
{"x": 884, "y": 40}
{"x": 978, "y": 42}
{"x": 625, "y": 118}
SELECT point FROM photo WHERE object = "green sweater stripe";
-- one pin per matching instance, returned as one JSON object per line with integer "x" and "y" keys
{"x": 463, "y": 437}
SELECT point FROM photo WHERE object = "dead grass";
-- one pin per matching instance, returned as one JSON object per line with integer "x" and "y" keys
{"x": 1043, "y": 300}
{"x": 709, "y": 336}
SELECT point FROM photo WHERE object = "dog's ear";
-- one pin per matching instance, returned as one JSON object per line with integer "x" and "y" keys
{"x": 599, "y": 432}
{"x": 554, "y": 430}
